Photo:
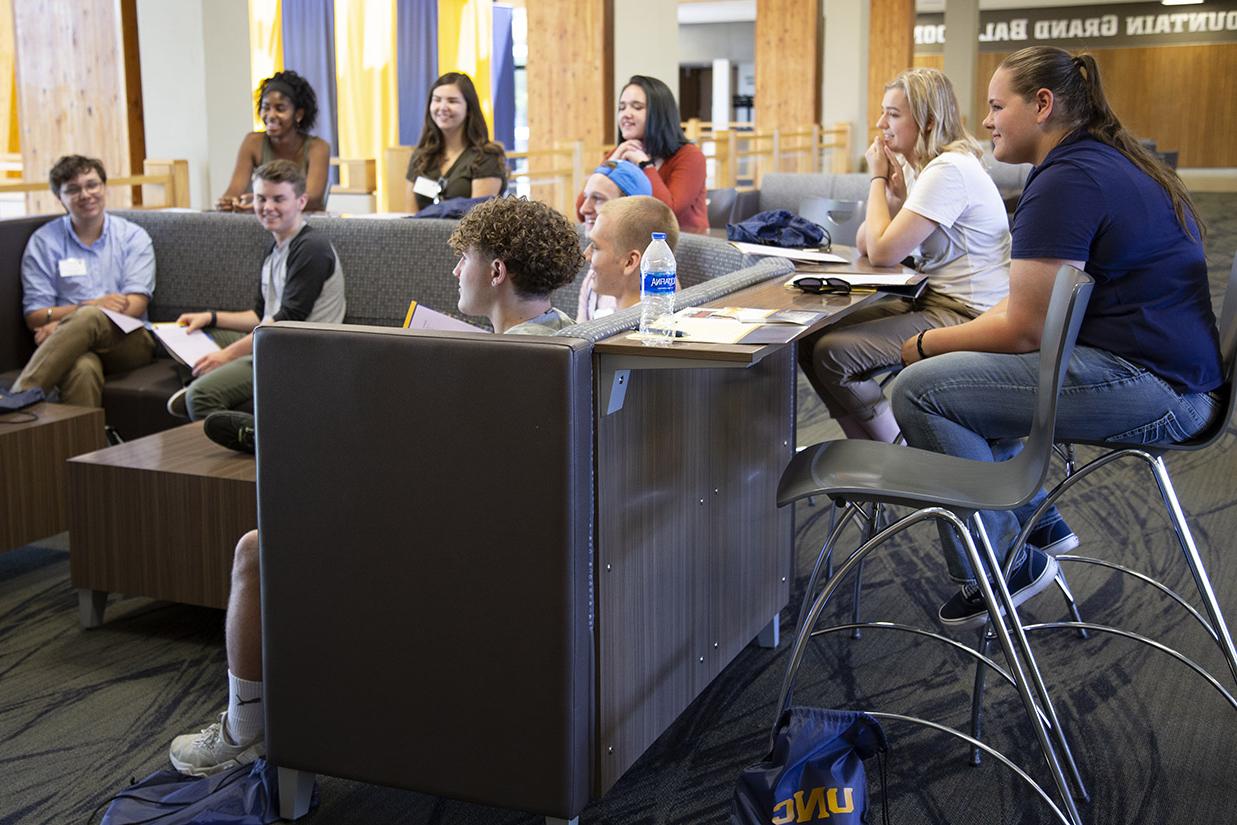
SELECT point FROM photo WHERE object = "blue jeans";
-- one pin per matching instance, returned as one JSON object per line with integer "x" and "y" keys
{"x": 978, "y": 405}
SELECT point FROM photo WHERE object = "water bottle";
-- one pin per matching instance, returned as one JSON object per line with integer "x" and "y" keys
{"x": 657, "y": 283}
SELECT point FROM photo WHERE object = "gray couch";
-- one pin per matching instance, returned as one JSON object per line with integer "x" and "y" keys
{"x": 787, "y": 191}
{"x": 211, "y": 260}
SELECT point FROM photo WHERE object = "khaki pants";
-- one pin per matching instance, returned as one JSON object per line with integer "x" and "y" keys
{"x": 84, "y": 347}
{"x": 841, "y": 360}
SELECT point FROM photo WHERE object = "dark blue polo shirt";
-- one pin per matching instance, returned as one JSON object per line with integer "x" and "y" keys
{"x": 1151, "y": 303}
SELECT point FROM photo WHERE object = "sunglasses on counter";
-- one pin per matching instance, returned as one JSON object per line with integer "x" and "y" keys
{"x": 823, "y": 286}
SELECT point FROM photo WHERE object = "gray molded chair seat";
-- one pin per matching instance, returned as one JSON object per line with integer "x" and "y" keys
{"x": 841, "y": 218}
{"x": 952, "y": 489}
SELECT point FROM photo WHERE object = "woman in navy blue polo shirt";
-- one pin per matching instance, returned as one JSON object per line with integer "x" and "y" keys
{"x": 1147, "y": 356}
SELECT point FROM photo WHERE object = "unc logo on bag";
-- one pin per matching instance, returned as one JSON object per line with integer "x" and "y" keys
{"x": 814, "y": 771}
{"x": 798, "y": 809}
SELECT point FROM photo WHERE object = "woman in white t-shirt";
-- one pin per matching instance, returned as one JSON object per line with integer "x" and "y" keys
{"x": 952, "y": 221}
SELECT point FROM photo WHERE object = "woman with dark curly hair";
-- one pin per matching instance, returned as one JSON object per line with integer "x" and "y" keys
{"x": 650, "y": 136}
{"x": 288, "y": 108}
{"x": 455, "y": 157}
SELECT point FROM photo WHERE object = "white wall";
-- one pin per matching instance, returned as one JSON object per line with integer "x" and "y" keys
{"x": 195, "y": 51}
{"x": 702, "y": 43}
{"x": 646, "y": 41}
{"x": 844, "y": 94}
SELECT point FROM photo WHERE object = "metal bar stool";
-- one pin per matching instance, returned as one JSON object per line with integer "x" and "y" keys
{"x": 1152, "y": 455}
{"x": 952, "y": 490}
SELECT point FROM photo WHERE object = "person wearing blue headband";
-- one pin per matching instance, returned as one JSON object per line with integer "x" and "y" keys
{"x": 612, "y": 180}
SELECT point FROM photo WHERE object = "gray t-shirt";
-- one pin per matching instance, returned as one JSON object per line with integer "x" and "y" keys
{"x": 547, "y": 323}
{"x": 302, "y": 280}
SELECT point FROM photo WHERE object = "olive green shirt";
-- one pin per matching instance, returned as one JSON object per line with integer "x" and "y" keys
{"x": 473, "y": 162}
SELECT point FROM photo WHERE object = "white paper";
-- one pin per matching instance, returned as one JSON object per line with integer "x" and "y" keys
{"x": 127, "y": 323}
{"x": 187, "y": 347}
{"x": 807, "y": 255}
{"x": 425, "y": 318}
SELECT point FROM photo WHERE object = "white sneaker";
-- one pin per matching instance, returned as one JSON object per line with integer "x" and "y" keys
{"x": 210, "y": 751}
{"x": 177, "y": 405}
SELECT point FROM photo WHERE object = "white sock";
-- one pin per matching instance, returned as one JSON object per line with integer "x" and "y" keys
{"x": 246, "y": 719}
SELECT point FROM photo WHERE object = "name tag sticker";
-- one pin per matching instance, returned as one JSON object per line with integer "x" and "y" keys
{"x": 72, "y": 267}
{"x": 425, "y": 187}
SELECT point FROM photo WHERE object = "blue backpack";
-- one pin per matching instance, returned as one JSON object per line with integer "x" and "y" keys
{"x": 244, "y": 795}
{"x": 814, "y": 772}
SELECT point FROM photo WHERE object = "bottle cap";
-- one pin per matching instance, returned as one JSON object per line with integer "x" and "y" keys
{"x": 659, "y": 236}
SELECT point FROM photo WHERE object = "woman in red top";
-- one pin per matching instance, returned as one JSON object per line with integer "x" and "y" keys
{"x": 649, "y": 135}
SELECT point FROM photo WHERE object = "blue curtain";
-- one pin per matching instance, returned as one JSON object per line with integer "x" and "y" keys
{"x": 502, "y": 79}
{"x": 416, "y": 63}
{"x": 309, "y": 50}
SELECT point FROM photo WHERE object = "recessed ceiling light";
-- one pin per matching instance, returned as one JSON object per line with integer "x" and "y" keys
{"x": 1180, "y": 2}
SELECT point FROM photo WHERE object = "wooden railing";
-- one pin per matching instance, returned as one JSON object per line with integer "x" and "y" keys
{"x": 357, "y": 176}
{"x": 165, "y": 183}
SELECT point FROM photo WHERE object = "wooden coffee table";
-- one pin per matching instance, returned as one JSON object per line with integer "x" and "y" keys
{"x": 158, "y": 517}
{"x": 33, "y": 503}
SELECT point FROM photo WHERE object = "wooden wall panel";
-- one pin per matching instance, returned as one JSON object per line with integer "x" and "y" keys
{"x": 570, "y": 76}
{"x": 788, "y": 63}
{"x": 71, "y": 88}
{"x": 891, "y": 49}
{"x": 1179, "y": 96}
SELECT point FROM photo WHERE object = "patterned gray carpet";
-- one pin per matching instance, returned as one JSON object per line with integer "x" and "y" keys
{"x": 83, "y": 712}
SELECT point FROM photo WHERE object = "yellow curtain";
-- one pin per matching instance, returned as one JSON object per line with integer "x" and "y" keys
{"x": 365, "y": 83}
{"x": 465, "y": 40}
{"x": 265, "y": 43}
{"x": 10, "y": 132}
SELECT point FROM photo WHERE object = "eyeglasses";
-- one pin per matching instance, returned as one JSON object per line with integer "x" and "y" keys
{"x": 90, "y": 187}
{"x": 823, "y": 286}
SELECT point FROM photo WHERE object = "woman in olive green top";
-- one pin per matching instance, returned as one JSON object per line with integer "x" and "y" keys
{"x": 288, "y": 107}
{"x": 455, "y": 157}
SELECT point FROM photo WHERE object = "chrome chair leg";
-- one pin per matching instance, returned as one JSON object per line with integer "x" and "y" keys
{"x": 1186, "y": 539}
{"x": 857, "y": 592}
{"x": 986, "y": 636}
{"x": 1011, "y": 615}
{"x": 1063, "y": 586}
{"x": 1033, "y": 712}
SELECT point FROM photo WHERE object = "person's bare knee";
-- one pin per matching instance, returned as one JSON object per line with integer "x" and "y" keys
{"x": 245, "y": 567}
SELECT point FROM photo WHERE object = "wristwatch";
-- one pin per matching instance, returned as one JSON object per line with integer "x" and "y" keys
{"x": 642, "y": 164}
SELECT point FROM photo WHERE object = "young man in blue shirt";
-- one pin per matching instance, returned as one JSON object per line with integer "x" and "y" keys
{"x": 74, "y": 268}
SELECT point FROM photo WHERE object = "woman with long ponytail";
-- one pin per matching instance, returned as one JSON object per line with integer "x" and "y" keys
{"x": 1147, "y": 359}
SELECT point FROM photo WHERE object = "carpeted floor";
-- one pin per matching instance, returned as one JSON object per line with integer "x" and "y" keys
{"x": 83, "y": 712}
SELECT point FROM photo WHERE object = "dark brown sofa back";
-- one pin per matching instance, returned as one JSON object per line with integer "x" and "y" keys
{"x": 425, "y": 561}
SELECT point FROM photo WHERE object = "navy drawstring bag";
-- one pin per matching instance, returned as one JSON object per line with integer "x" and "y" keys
{"x": 244, "y": 795}
{"x": 814, "y": 772}
{"x": 778, "y": 227}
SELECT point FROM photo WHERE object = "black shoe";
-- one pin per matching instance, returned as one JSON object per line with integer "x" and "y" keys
{"x": 1054, "y": 539}
{"x": 967, "y": 610}
{"x": 233, "y": 430}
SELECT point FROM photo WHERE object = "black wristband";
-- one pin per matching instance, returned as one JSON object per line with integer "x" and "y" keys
{"x": 885, "y": 178}
{"x": 645, "y": 163}
{"x": 214, "y": 317}
{"x": 919, "y": 345}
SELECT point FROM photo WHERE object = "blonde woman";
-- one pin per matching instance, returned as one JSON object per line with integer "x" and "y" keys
{"x": 931, "y": 199}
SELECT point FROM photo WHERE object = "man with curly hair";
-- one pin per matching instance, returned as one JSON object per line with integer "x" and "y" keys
{"x": 513, "y": 254}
